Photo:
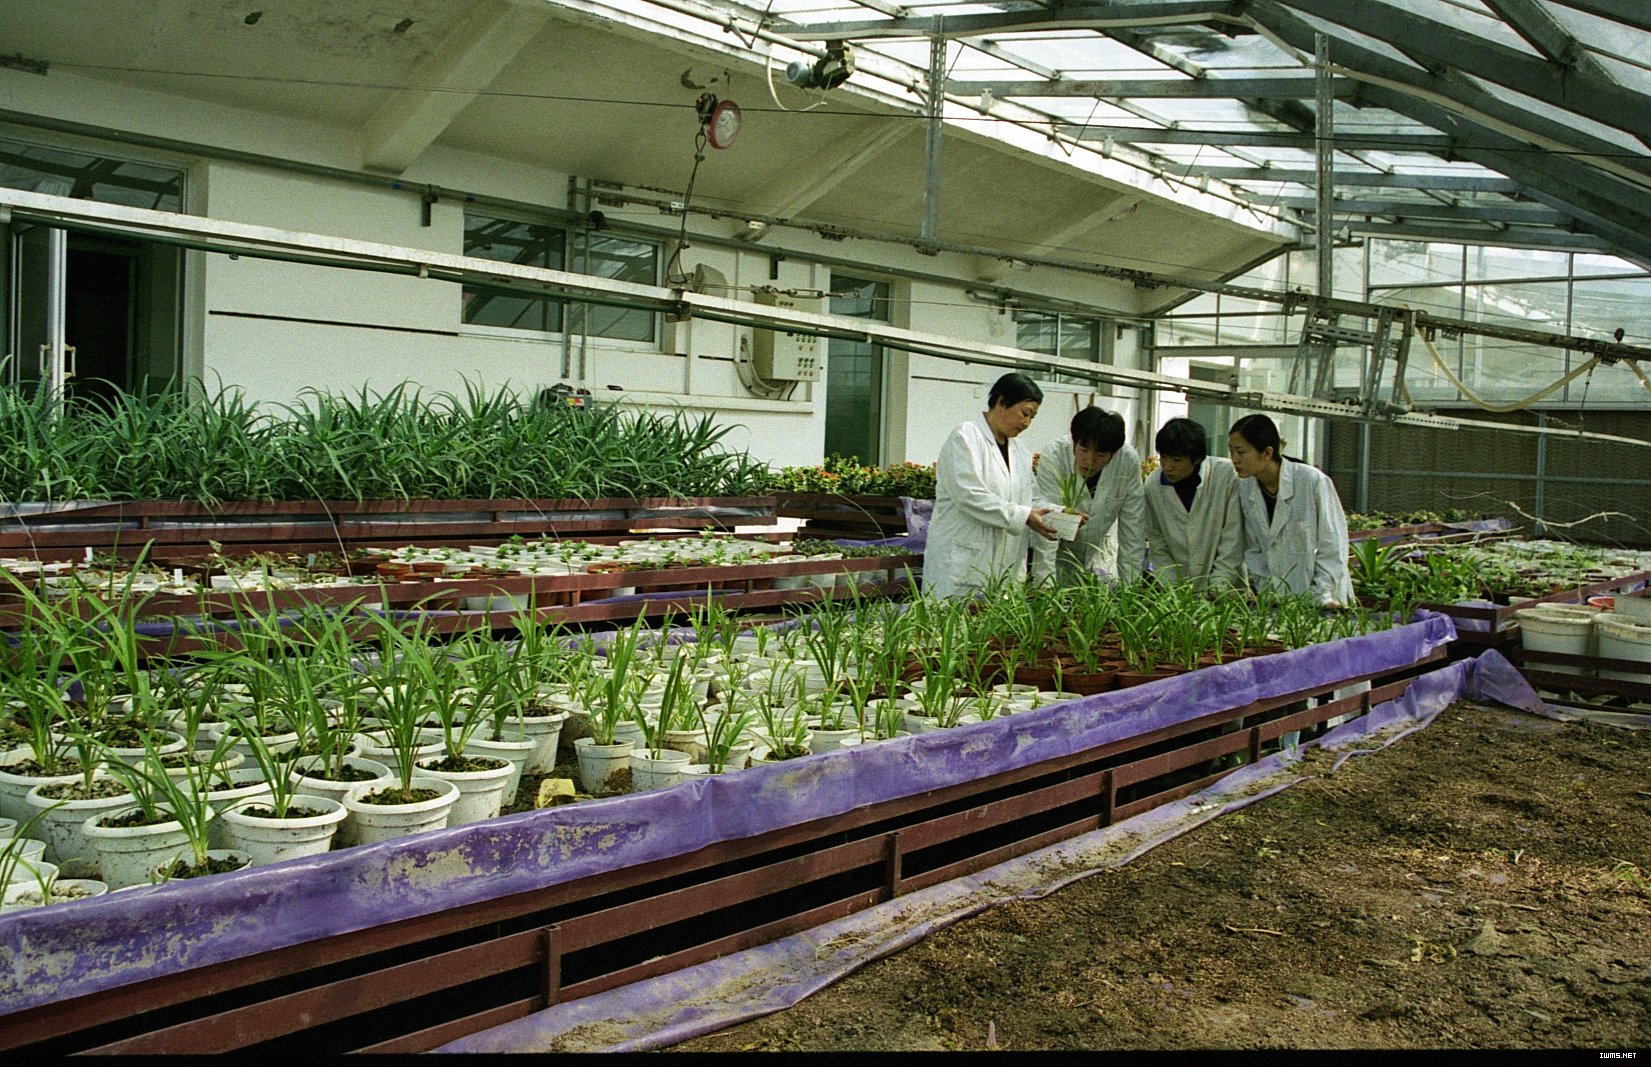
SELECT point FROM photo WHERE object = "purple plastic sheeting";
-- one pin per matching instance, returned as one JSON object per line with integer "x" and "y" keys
{"x": 71, "y": 950}
{"x": 917, "y": 512}
{"x": 663, "y": 1011}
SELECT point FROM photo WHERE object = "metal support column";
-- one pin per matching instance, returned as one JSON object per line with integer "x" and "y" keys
{"x": 1361, "y": 497}
{"x": 54, "y": 353}
{"x": 1324, "y": 149}
{"x": 1537, "y": 526}
{"x": 936, "y": 103}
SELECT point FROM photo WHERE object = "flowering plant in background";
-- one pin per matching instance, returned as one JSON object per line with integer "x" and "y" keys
{"x": 847, "y": 476}
{"x": 1149, "y": 464}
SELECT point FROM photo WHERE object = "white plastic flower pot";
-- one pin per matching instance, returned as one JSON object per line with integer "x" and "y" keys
{"x": 268, "y": 840}
{"x": 1556, "y": 629}
{"x": 1622, "y": 638}
{"x": 61, "y": 828}
{"x": 1064, "y": 523}
{"x": 546, "y": 733}
{"x": 14, "y": 786}
{"x": 127, "y": 854}
{"x": 29, "y": 881}
{"x": 245, "y": 783}
{"x": 513, "y": 745}
{"x": 650, "y": 771}
{"x": 386, "y": 822}
{"x": 481, "y": 793}
{"x": 598, "y": 763}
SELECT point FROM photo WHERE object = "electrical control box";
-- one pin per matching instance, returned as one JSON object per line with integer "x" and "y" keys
{"x": 781, "y": 356}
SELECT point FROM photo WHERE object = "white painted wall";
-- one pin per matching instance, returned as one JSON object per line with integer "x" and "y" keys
{"x": 274, "y": 329}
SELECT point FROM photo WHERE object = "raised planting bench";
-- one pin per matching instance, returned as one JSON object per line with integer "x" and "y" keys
{"x": 409, "y": 944}
{"x": 173, "y": 528}
{"x": 572, "y": 598}
{"x": 1567, "y": 681}
{"x": 1497, "y": 626}
{"x": 831, "y": 516}
{"x": 1440, "y": 532}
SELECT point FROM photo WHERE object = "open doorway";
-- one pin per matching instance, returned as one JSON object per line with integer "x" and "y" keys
{"x": 121, "y": 297}
{"x": 120, "y": 312}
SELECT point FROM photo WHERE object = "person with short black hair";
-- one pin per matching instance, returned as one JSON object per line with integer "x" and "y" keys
{"x": 984, "y": 496}
{"x": 1093, "y": 472}
{"x": 1295, "y": 530}
{"x": 1194, "y": 526}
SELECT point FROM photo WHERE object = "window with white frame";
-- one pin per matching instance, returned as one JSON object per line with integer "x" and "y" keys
{"x": 539, "y": 244}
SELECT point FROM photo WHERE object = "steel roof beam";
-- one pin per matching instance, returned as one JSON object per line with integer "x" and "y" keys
{"x": 1097, "y": 14}
{"x": 997, "y": 51}
{"x": 1479, "y": 110}
{"x": 1513, "y": 214}
{"x": 1511, "y": 237}
{"x": 1547, "y": 35}
{"x": 1156, "y": 88}
{"x": 1631, "y": 13}
{"x": 1376, "y": 179}
{"x": 1571, "y": 89}
{"x": 1616, "y": 211}
{"x": 1408, "y": 142}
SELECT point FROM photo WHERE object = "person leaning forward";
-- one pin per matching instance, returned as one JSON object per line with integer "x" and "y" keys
{"x": 1095, "y": 473}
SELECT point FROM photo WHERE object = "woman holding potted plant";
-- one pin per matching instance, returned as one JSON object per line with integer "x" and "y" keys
{"x": 1095, "y": 474}
{"x": 984, "y": 495}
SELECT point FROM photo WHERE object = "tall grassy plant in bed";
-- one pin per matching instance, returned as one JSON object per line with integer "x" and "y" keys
{"x": 398, "y": 444}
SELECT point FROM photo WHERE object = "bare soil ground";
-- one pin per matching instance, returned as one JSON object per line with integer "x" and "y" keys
{"x": 1485, "y": 883}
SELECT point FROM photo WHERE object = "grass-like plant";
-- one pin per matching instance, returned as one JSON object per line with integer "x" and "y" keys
{"x": 611, "y": 694}
{"x": 723, "y": 732}
{"x": 398, "y": 444}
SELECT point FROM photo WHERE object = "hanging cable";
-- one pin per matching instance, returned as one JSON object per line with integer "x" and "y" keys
{"x": 1518, "y": 405}
{"x": 673, "y": 270}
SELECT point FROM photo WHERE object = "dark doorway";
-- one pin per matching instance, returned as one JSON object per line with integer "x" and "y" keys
{"x": 100, "y": 316}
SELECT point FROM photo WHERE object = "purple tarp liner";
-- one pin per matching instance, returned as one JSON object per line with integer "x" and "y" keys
{"x": 71, "y": 950}
{"x": 663, "y": 1011}
{"x": 917, "y": 513}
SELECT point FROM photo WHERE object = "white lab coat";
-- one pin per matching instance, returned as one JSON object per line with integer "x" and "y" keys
{"x": 1304, "y": 548}
{"x": 1116, "y": 504}
{"x": 1204, "y": 545}
{"x": 979, "y": 531}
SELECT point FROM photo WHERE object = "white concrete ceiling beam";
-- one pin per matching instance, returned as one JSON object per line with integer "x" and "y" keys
{"x": 841, "y": 161}
{"x": 1056, "y": 237}
{"x": 486, "y": 40}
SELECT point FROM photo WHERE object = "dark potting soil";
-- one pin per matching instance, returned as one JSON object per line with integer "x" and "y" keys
{"x": 213, "y": 865}
{"x": 261, "y": 812}
{"x": 1483, "y": 883}
{"x": 127, "y": 820}
{"x": 390, "y": 797}
{"x": 463, "y": 764}
{"x": 101, "y": 788}
{"x": 345, "y": 774}
{"x": 31, "y": 768}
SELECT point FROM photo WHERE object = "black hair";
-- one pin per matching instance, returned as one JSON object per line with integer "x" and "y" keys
{"x": 1182, "y": 437}
{"x": 1101, "y": 430}
{"x": 1013, "y": 388}
{"x": 1261, "y": 433}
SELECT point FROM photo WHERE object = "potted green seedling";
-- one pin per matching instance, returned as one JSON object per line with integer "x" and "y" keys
{"x": 603, "y": 760}
{"x": 284, "y": 823}
{"x": 165, "y": 833}
{"x": 409, "y": 803}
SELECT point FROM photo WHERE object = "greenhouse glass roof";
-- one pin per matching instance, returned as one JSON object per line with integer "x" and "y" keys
{"x": 1517, "y": 122}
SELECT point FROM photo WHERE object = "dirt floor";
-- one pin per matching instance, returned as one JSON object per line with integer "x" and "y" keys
{"x": 1483, "y": 883}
